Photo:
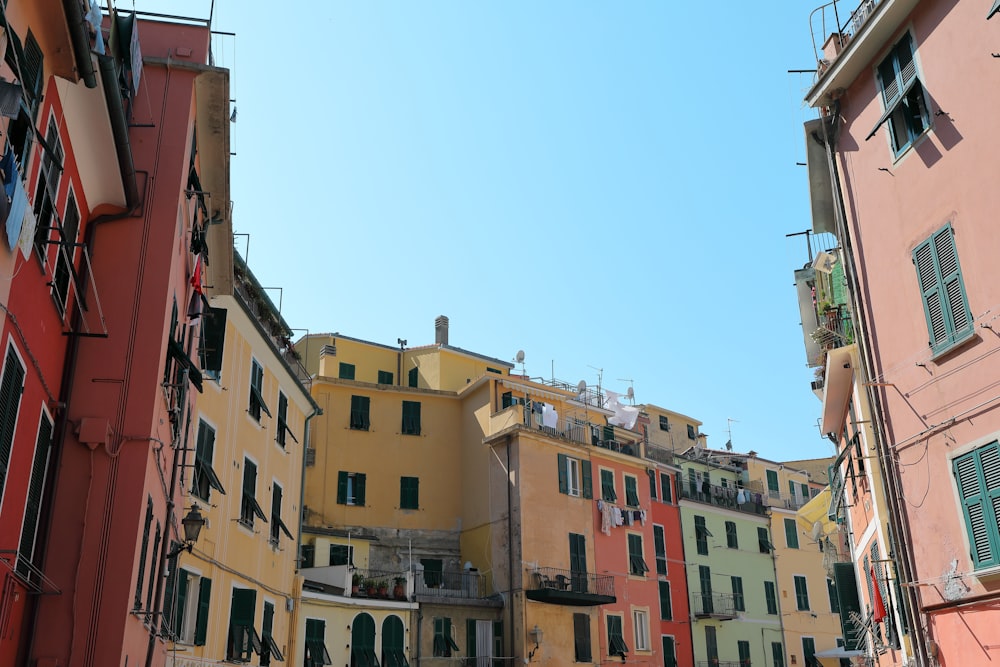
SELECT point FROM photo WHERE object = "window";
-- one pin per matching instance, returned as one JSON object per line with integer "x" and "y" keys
{"x": 412, "y": 376}
{"x": 669, "y": 651}
{"x": 283, "y": 430}
{"x": 946, "y": 306}
{"x": 393, "y": 641}
{"x": 652, "y": 484}
{"x": 277, "y": 525}
{"x": 809, "y": 652}
{"x": 764, "y": 541}
{"x": 711, "y": 645}
{"x": 771, "y": 597}
{"x": 574, "y": 476}
{"x": 660, "y": 549}
{"x": 144, "y": 553}
{"x": 256, "y": 387}
{"x": 801, "y": 593}
{"x": 691, "y": 435}
{"x": 701, "y": 535}
{"x": 269, "y": 647}
{"x": 363, "y": 641}
{"x": 666, "y": 488}
{"x": 213, "y": 342}
{"x": 831, "y": 591}
{"x": 409, "y": 493}
{"x": 47, "y": 190}
{"x": 203, "y": 478}
{"x": 705, "y": 580}
{"x": 578, "y": 562}
{"x": 631, "y": 491}
{"x": 640, "y": 624}
{"x": 777, "y": 654}
{"x": 743, "y": 648}
{"x": 350, "y": 488}
{"x": 11, "y": 388}
{"x": 581, "y": 638}
{"x": 359, "y": 413}
{"x": 732, "y": 539}
{"x": 249, "y": 507}
{"x": 154, "y": 552}
{"x": 636, "y": 562}
{"x": 316, "y": 653}
{"x": 243, "y": 639}
{"x": 346, "y": 371}
{"x": 616, "y": 641}
{"x": 341, "y": 554}
{"x": 666, "y": 605}
{"x": 902, "y": 96}
{"x": 66, "y": 253}
{"x": 608, "y": 486}
{"x": 411, "y": 418}
{"x": 738, "y": 602}
{"x": 444, "y": 644}
{"x": 385, "y": 377}
{"x": 494, "y": 370}
{"x": 772, "y": 483}
{"x": 33, "y": 502}
{"x": 805, "y": 491}
{"x": 433, "y": 572}
{"x": 188, "y": 617}
{"x": 791, "y": 534}
{"x": 308, "y": 556}
{"x": 664, "y": 423}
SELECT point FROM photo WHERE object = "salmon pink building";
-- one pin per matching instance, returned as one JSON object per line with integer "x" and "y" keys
{"x": 907, "y": 177}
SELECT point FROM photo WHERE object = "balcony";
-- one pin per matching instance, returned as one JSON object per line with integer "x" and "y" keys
{"x": 465, "y": 585}
{"x": 773, "y": 498}
{"x": 723, "y": 663}
{"x": 584, "y": 432}
{"x": 379, "y": 584}
{"x": 726, "y": 496}
{"x": 713, "y": 605}
{"x": 836, "y": 329}
{"x": 575, "y": 589}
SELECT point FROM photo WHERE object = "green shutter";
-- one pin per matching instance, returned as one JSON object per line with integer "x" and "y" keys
{"x": 342, "y": 487}
{"x": 10, "y": 400}
{"x": 411, "y": 418}
{"x": 204, "y": 602}
{"x": 791, "y": 534}
{"x": 945, "y": 304}
{"x": 771, "y": 597}
{"x": 346, "y": 371}
{"x": 652, "y": 484}
{"x": 409, "y": 496}
{"x": 33, "y": 503}
{"x": 772, "y": 480}
{"x": 577, "y": 553}
{"x": 801, "y": 594}
{"x": 666, "y": 488}
{"x": 777, "y": 654}
{"x": 631, "y": 491}
{"x": 608, "y": 486}
{"x": 588, "y": 479}
{"x": 660, "y": 549}
{"x": 470, "y": 637}
{"x": 831, "y": 591}
{"x": 581, "y": 637}
{"x": 738, "y": 601}
{"x": 847, "y": 599}
{"x": 498, "y": 643}
{"x": 666, "y": 606}
{"x": 359, "y": 489}
{"x": 743, "y": 647}
{"x": 506, "y": 400}
{"x": 182, "y": 587}
{"x": 669, "y": 652}
{"x": 711, "y": 644}
{"x": 563, "y": 482}
{"x": 412, "y": 377}
{"x": 385, "y": 377}
{"x": 143, "y": 552}
{"x": 978, "y": 477}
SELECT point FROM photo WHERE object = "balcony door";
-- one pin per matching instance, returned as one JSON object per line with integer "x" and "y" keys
{"x": 578, "y": 562}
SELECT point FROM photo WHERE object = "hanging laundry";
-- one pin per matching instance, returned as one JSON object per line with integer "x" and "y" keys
{"x": 606, "y": 518}
{"x": 27, "y": 239}
{"x": 741, "y": 497}
{"x": 198, "y": 303}
{"x": 642, "y": 516}
{"x": 16, "y": 215}
{"x": 618, "y": 518}
{"x": 550, "y": 417}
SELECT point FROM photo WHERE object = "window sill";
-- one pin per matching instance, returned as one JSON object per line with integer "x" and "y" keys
{"x": 958, "y": 344}
{"x": 988, "y": 574}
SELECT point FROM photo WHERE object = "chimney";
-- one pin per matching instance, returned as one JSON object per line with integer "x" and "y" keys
{"x": 441, "y": 330}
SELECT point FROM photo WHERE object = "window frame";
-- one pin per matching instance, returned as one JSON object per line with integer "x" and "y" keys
{"x": 640, "y": 630}
{"x": 636, "y": 558}
{"x": 608, "y": 492}
{"x": 801, "y": 592}
{"x": 631, "y": 490}
{"x": 943, "y": 295}
{"x": 972, "y": 488}
{"x": 906, "y": 88}
{"x": 256, "y": 404}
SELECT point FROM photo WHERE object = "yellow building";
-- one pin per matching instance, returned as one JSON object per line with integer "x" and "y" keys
{"x": 230, "y": 597}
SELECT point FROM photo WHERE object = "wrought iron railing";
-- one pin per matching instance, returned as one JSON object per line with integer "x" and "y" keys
{"x": 465, "y": 584}
{"x": 713, "y": 604}
{"x": 726, "y": 496}
{"x": 568, "y": 581}
{"x": 380, "y": 584}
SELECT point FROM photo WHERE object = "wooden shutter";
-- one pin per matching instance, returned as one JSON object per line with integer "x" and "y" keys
{"x": 204, "y": 603}
{"x": 143, "y": 552}
{"x": 666, "y": 605}
{"x": 711, "y": 644}
{"x": 177, "y": 622}
{"x": 777, "y": 654}
{"x": 652, "y": 483}
{"x": 771, "y": 597}
{"x": 581, "y": 637}
{"x": 342, "y": 488}
{"x": 608, "y": 486}
{"x": 588, "y": 479}
{"x": 359, "y": 489}
{"x": 665, "y": 488}
{"x": 470, "y": 637}
{"x": 563, "y": 482}
{"x": 10, "y": 401}
{"x": 847, "y": 597}
{"x": 631, "y": 491}
{"x": 951, "y": 280}
{"x": 577, "y": 553}
{"x": 33, "y": 503}
{"x": 660, "y": 549}
{"x": 412, "y": 377}
{"x": 791, "y": 534}
{"x": 978, "y": 477}
{"x": 669, "y": 652}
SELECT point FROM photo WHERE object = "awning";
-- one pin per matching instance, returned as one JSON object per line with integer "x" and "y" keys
{"x": 816, "y": 511}
{"x": 841, "y": 652}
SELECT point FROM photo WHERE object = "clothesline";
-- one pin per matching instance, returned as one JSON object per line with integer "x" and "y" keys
{"x": 612, "y": 515}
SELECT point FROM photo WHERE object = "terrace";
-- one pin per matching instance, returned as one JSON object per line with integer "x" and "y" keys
{"x": 566, "y": 587}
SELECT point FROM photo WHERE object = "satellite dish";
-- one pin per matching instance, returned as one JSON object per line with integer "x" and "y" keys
{"x": 581, "y": 386}
{"x": 816, "y": 531}
{"x": 824, "y": 262}
{"x": 630, "y": 394}
{"x": 519, "y": 357}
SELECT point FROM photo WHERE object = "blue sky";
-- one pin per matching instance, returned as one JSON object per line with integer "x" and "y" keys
{"x": 605, "y": 185}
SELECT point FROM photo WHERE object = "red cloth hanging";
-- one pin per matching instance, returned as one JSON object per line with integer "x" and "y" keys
{"x": 878, "y": 606}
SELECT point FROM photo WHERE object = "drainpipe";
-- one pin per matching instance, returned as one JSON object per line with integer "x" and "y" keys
{"x": 890, "y": 479}
{"x": 80, "y": 38}
{"x": 510, "y": 551}
{"x": 302, "y": 482}
{"x": 119, "y": 128}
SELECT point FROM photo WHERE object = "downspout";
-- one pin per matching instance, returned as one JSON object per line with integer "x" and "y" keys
{"x": 510, "y": 551}
{"x": 119, "y": 128}
{"x": 302, "y": 483}
{"x": 80, "y": 38}
{"x": 890, "y": 481}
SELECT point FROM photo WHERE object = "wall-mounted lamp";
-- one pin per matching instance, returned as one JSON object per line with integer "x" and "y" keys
{"x": 192, "y": 522}
{"x": 535, "y": 635}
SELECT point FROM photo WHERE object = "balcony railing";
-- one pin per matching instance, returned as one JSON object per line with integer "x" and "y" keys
{"x": 772, "y": 498}
{"x": 718, "y": 605}
{"x": 556, "y": 586}
{"x": 723, "y": 663}
{"x": 584, "y": 432}
{"x": 379, "y": 584}
{"x": 836, "y": 329}
{"x": 726, "y": 496}
{"x": 465, "y": 585}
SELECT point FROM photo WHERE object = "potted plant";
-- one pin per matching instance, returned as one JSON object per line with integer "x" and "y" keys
{"x": 356, "y": 580}
{"x": 370, "y": 587}
{"x": 398, "y": 589}
{"x": 382, "y": 588}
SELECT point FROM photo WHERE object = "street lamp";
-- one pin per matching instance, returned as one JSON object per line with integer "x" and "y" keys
{"x": 535, "y": 634}
{"x": 192, "y": 522}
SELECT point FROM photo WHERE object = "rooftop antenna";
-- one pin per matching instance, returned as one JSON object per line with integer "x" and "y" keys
{"x": 630, "y": 394}
{"x": 519, "y": 359}
{"x": 600, "y": 379}
{"x": 729, "y": 429}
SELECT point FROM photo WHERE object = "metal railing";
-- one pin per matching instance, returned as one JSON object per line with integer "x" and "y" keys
{"x": 723, "y": 663}
{"x": 726, "y": 496}
{"x": 713, "y": 604}
{"x": 567, "y": 581}
{"x": 584, "y": 432}
{"x": 449, "y": 584}
{"x": 383, "y": 584}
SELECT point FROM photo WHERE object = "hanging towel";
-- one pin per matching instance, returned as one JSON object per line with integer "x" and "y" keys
{"x": 642, "y": 516}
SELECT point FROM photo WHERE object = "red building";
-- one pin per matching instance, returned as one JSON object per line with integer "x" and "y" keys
{"x": 124, "y": 196}
{"x": 674, "y": 616}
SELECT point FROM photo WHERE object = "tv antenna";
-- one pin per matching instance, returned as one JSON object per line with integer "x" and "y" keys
{"x": 729, "y": 429}
{"x": 600, "y": 379}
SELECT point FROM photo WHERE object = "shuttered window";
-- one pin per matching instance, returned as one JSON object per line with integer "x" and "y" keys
{"x": 278, "y": 525}
{"x": 978, "y": 477}
{"x": 616, "y": 641}
{"x": 771, "y": 597}
{"x": 608, "y": 486}
{"x": 316, "y": 653}
{"x": 143, "y": 553}
{"x": 669, "y": 651}
{"x": 738, "y": 601}
{"x": 256, "y": 391}
{"x": 363, "y": 641}
{"x": 581, "y": 638}
{"x": 666, "y": 488}
{"x": 946, "y": 307}
{"x": 411, "y": 418}
{"x": 763, "y": 541}
{"x": 660, "y": 549}
{"x": 283, "y": 430}
{"x": 409, "y": 493}
{"x": 249, "y": 507}
{"x": 791, "y": 534}
{"x": 351, "y": 488}
{"x": 360, "y": 419}
{"x": 666, "y": 605}
{"x": 574, "y": 474}
{"x": 393, "y": 641}
{"x": 346, "y": 371}
{"x": 631, "y": 491}
{"x": 412, "y": 376}
{"x": 33, "y": 504}
{"x": 385, "y": 377}
{"x": 732, "y": 539}
{"x": 444, "y": 643}
{"x": 269, "y": 647}
{"x": 801, "y": 593}
{"x": 701, "y": 535}
{"x": 636, "y": 562}
{"x": 652, "y": 484}
{"x": 11, "y": 388}
{"x": 204, "y": 602}
{"x": 743, "y": 648}
{"x": 204, "y": 477}
{"x": 777, "y": 654}
{"x": 578, "y": 562}
{"x": 903, "y": 98}
{"x": 243, "y": 639}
